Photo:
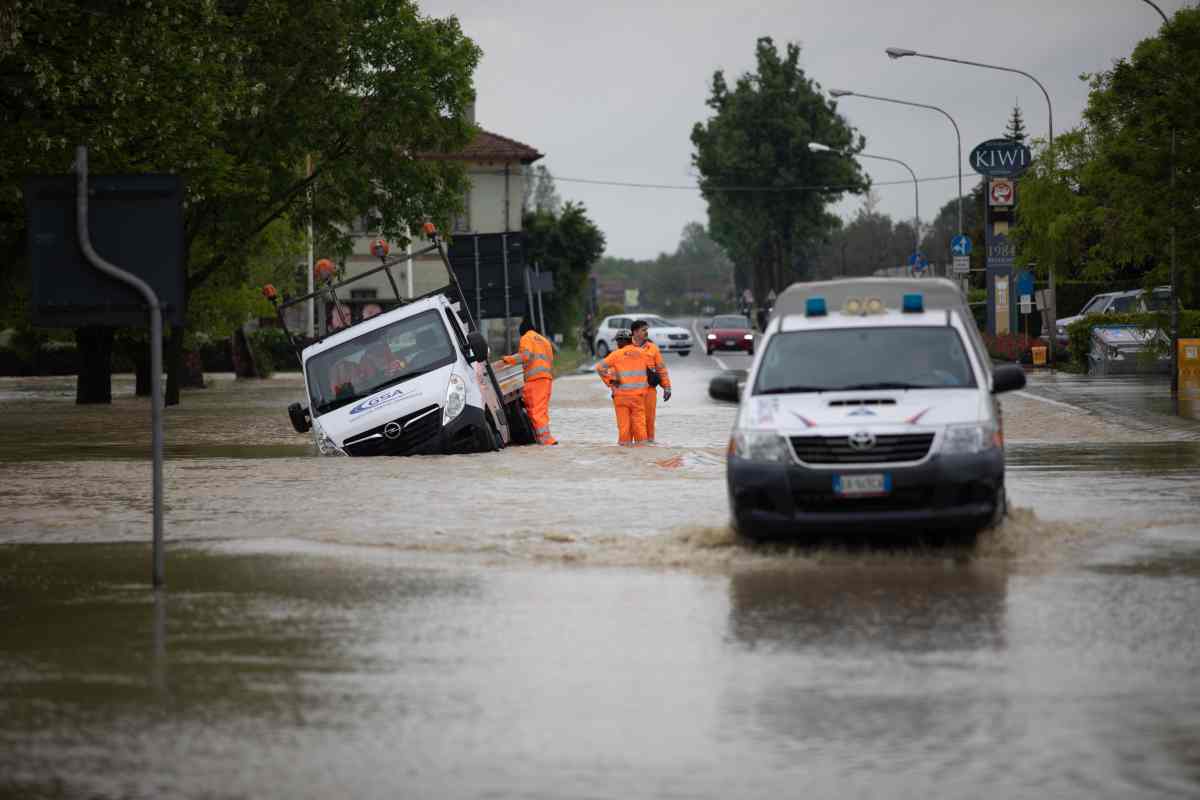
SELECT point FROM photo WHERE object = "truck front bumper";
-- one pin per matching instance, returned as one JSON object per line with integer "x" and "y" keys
{"x": 945, "y": 492}
{"x": 469, "y": 432}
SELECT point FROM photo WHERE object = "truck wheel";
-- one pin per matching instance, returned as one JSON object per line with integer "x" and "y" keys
{"x": 497, "y": 439}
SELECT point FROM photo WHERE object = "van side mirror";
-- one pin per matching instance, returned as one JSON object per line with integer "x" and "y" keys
{"x": 301, "y": 419}
{"x": 478, "y": 345}
{"x": 724, "y": 387}
{"x": 1008, "y": 378}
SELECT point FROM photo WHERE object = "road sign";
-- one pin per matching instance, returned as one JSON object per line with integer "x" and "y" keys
{"x": 960, "y": 245}
{"x": 1026, "y": 303}
{"x": 918, "y": 262}
{"x": 1000, "y": 158}
{"x": 1025, "y": 282}
{"x": 962, "y": 264}
{"x": 1001, "y": 192}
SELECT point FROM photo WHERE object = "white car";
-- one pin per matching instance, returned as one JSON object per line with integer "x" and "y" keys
{"x": 871, "y": 405}
{"x": 1106, "y": 303}
{"x": 669, "y": 337}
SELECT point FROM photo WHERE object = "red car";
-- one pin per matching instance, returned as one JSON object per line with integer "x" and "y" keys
{"x": 729, "y": 332}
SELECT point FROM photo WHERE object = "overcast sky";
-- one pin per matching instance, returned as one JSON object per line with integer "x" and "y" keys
{"x": 610, "y": 91}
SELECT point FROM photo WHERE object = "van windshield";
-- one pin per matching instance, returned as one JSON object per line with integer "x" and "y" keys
{"x": 377, "y": 359}
{"x": 864, "y": 358}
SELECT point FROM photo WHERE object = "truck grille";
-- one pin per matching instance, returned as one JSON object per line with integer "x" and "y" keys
{"x": 889, "y": 447}
{"x": 417, "y": 429}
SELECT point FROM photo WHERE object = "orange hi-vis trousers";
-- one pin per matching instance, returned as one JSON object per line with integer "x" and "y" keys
{"x": 536, "y": 397}
{"x": 631, "y": 417}
{"x": 650, "y": 409}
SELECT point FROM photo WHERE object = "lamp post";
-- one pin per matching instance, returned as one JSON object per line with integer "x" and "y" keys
{"x": 1174, "y": 288}
{"x": 957, "y": 135}
{"x": 901, "y": 52}
{"x": 817, "y": 147}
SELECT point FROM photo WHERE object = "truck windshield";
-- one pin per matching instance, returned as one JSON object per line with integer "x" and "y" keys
{"x": 378, "y": 358}
{"x": 864, "y": 358}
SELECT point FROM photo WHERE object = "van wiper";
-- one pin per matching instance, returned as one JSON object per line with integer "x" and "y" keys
{"x": 881, "y": 385}
{"x": 793, "y": 389}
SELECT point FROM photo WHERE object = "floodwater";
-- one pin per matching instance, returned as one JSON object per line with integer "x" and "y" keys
{"x": 579, "y": 621}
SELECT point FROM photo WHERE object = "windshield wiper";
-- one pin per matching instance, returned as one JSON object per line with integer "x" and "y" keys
{"x": 793, "y": 389}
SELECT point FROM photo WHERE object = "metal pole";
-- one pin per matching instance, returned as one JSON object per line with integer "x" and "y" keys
{"x": 507, "y": 306}
{"x": 541, "y": 309}
{"x": 1174, "y": 287}
{"x": 943, "y": 112}
{"x": 899, "y": 53}
{"x": 478, "y": 287}
{"x": 155, "y": 309}
{"x": 310, "y": 309}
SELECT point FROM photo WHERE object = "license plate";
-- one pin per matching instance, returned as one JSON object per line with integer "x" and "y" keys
{"x": 875, "y": 483}
{"x": 729, "y": 343}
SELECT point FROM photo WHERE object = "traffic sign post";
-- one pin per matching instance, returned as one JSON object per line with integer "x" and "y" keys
{"x": 960, "y": 246}
{"x": 918, "y": 262}
{"x": 962, "y": 265}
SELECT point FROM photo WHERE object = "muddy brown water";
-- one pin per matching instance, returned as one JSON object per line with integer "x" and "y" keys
{"x": 577, "y": 621}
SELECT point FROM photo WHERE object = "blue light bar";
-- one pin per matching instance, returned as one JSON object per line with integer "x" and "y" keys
{"x": 815, "y": 307}
{"x": 914, "y": 303}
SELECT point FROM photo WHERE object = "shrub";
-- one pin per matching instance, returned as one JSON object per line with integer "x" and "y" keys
{"x": 273, "y": 351}
{"x": 1010, "y": 347}
{"x": 1079, "y": 332}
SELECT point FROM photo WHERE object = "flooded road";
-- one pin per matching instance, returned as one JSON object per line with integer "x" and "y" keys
{"x": 416, "y": 628}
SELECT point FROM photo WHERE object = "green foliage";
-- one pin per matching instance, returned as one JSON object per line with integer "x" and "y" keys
{"x": 1105, "y": 207}
{"x": 697, "y": 274}
{"x": 1079, "y": 332}
{"x": 609, "y": 310}
{"x": 273, "y": 351}
{"x": 566, "y": 245}
{"x": 1015, "y": 132}
{"x": 236, "y": 97}
{"x": 758, "y": 139}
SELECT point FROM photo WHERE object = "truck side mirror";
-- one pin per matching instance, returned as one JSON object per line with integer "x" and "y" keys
{"x": 724, "y": 387}
{"x": 301, "y": 420}
{"x": 1008, "y": 378}
{"x": 479, "y": 347}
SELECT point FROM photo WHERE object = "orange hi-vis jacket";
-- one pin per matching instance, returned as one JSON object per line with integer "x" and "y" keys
{"x": 536, "y": 354}
{"x": 625, "y": 370}
{"x": 656, "y": 363}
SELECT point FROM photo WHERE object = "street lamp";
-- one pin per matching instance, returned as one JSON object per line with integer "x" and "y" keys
{"x": 817, "y": 147}
{"x": 957, "y": 135}
{"x": 1174, "y": 288}
{"x": 901, "y": 52}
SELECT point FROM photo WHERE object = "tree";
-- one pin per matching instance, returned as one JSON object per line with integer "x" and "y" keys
{"x": 540, "y": 192}
{"x": 1106, "y": 207}
{"x": 696, "y": 274}
{"x": 236, "y": 97}
{"x": 1015, "y": 132}
{"x": 566, "y": 245}
{"x": 767, "y": 192}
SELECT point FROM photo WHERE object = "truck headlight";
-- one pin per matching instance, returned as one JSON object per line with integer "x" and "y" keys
{"x": 324, "y": 444}
{"x": 970, "y": 439}
{"x": 765, "y": 446}
{"x": 456, "y": 399}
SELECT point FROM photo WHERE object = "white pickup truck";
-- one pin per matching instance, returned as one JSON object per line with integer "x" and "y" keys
{"x": 414, "y": 379}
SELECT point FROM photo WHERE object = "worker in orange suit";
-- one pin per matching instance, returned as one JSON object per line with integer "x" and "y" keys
{"x": 536, "y": 355}
{"x": 624, "y": 372}
{"x": 656, "y": 374}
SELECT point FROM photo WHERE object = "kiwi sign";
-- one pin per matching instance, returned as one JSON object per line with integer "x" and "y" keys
{"x": 1000, "y": 158}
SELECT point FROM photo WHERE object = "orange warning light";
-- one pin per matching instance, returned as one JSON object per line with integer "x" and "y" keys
{"x": 380, "y": 248}
{"x": 324, "y": 269}
{"x": 269, "y": 292}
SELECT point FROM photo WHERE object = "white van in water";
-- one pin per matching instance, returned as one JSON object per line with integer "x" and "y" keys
{"x": 871, "y": 405}
{"x": 414, "y": 379}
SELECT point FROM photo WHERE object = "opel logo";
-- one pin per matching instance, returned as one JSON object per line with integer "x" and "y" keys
{"x": 393, "y": 430}
{"x": 862, "y": 440}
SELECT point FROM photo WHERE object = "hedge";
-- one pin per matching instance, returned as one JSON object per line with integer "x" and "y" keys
{"x": 1079, "y": 332}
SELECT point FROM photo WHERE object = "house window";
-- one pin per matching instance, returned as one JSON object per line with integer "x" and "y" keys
{"x": 462, "y": 220}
